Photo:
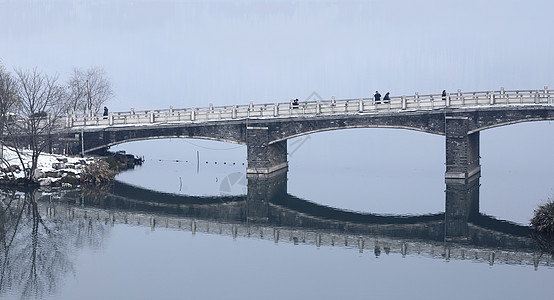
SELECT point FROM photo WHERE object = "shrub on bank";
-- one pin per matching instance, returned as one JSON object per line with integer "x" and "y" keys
{"x": 543, "y": 221}
{"x": 97, "y": 173}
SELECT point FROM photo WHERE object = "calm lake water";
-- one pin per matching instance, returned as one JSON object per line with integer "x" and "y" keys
{"x": 181, "y": 227}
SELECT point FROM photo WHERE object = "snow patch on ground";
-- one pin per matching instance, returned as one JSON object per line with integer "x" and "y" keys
{"x": 11, "y": 167}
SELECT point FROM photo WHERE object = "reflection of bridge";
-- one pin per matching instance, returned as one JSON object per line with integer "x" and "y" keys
{"x": 265, "y": 128}
{"x": 268, "y": 212}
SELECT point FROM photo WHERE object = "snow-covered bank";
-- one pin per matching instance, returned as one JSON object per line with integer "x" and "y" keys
{"x": 52, "y": 169}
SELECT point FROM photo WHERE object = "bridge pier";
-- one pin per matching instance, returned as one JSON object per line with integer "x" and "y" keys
{"x": 462, "y": 149}
{"x": 461, "y": 206}
{"x": 261, "y": 191}
{"x": 264, "y": 158}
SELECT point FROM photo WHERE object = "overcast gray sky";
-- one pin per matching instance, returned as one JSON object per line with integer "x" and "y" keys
{"x": 192, "y": 53}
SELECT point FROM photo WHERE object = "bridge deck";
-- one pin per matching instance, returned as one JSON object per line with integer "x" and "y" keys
{"x": 311, "y": 108}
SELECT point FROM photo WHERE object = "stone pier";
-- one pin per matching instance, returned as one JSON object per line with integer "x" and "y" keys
{"x": 462, "y": 149}
{"x": 264, "y": 157}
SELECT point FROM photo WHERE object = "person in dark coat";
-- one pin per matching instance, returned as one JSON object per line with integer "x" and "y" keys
{"x": 387, "y": 98}
{"x": 105, "y": 112}
{"x": 377, "y": 97}
{"x": 295, "y": 104}
{"x": 443, "y": 95}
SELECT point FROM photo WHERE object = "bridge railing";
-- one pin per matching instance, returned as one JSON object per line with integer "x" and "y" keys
{"x": 333, "y": 106}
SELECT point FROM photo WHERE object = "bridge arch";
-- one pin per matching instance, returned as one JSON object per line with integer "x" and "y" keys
{"x": 511, "y": 122}
{"x": 123, "y": 141}
{"x": 369, "y": 126}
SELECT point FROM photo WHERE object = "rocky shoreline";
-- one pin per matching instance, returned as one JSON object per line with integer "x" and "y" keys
{"x": 66, "y": 171}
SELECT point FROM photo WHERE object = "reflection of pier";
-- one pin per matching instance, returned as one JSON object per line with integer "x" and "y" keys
{"x": 269, "y": 213}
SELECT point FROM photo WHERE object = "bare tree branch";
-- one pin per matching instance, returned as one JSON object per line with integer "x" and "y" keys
{"x": 89, "y": 90}
{"x": 8, "y": 99}
{"x": 41, "y": 104}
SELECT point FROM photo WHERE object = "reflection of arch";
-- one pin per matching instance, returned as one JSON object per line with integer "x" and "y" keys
{"x": 295, "y": 220}
{"x": 208, "y": 206}
{"x": 136, "y": 193}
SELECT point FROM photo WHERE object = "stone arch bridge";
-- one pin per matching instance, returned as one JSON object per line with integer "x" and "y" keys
{"x": 265, "y": 128}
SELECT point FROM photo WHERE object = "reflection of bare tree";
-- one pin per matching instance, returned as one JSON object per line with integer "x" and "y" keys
{"x": 35, "y": 251}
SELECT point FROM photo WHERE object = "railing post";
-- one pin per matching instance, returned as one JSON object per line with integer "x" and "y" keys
{"x": 211, "y": 107}
{"x": 416, "y": 97}
{"x": 171, "y": 109}
{"x": 333, "y": 101}
{"x": 234, "y": 113}
{"x": 460, "y": 96}
{"x": 537, "y": 97}
{"x": 502, "y": 90}
{"x": 111, "y": 118}
{"x": 151, "y": 116}
{"x": 491, "y": 98}
{"x": 276, "y": 110}
{"x": 404, "y": 102}
{"x": 447, "y": 102}
{"x": 318, "y": 107}
{"x": 361, "y": 105}
{"x": 192, "y": 115}
{"x": 547, "y": 93}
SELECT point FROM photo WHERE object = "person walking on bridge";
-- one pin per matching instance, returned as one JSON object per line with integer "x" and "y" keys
{"x": 377, "y": 97}
{"x": 105, "y": 112}
{"x": 387, "y": 98}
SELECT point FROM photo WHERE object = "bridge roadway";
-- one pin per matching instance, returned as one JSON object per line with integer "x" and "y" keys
{"x": 265, "y": 128}
{"x": 285, "y": 218}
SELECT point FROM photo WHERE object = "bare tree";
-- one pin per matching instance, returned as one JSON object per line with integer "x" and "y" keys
{"x": 89, "y": 90}
{"x": 37, "y": 249}
{"x": 8, "y": 98}
{"x": 40, "y": 107}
